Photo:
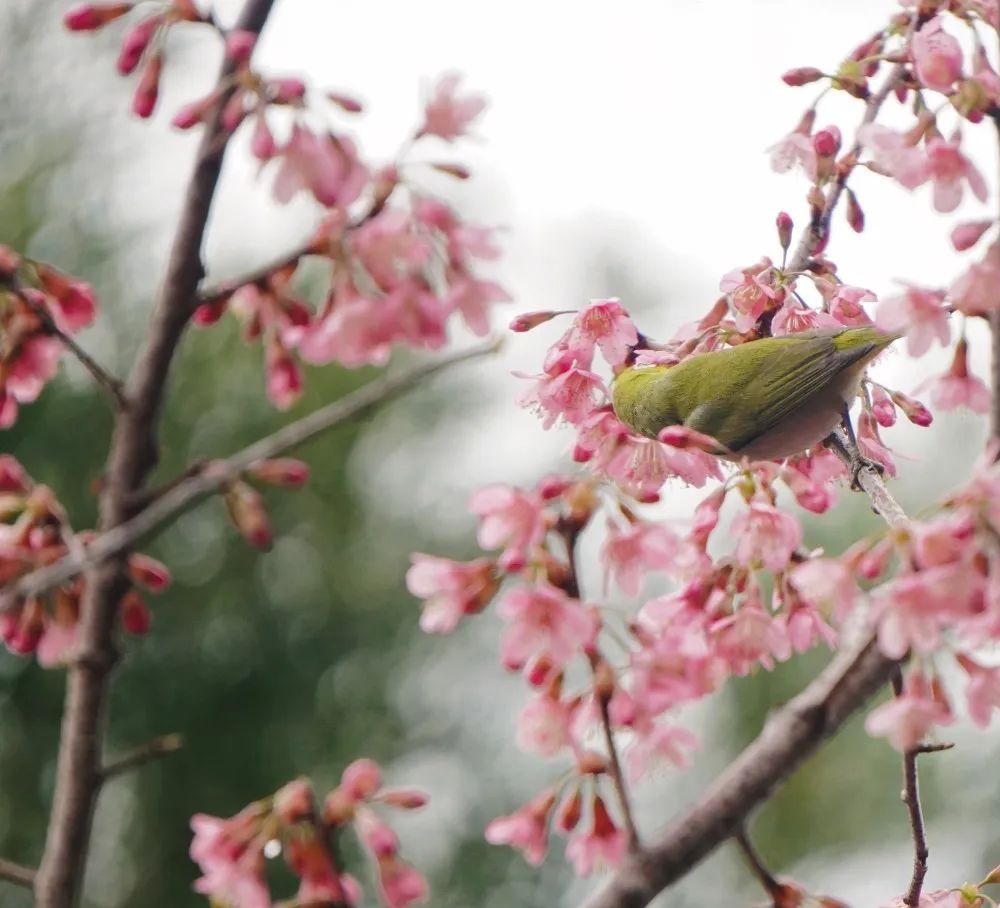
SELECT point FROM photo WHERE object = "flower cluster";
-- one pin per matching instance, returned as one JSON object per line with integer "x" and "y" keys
{"x": 35, "y": 532}
{"x": 37, "y": 303}
{"x": 398, "y": 262}
{"x": 232, "y": 853}
{"x": 678, "y": 648}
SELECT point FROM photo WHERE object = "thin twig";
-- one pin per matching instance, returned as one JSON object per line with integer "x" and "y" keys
{"x": 134, "y": 452}
{"x": 112, "y": 385}
{"x": 178, "y": 497}
{"x": 617, "y": 775}
{"x": 145, "y": 753}
{"x": 760, "y": 870}
{"x": 17, "y": 874}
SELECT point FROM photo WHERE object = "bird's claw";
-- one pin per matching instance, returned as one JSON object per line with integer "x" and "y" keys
{"x": 858, "y": 463}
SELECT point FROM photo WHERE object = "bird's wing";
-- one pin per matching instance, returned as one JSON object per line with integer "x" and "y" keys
{"x": 785, "y": 382}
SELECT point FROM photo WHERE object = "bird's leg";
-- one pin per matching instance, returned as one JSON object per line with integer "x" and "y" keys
{"x": 849, "y": 449}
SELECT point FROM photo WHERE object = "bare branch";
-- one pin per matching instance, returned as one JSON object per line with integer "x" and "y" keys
{"x": 756, "y": 863}
{"x": 195, "y": 485}
{"x": 17, "y": 874}
{"x": 145, "y": 753}
{"x": 133, "y": 454}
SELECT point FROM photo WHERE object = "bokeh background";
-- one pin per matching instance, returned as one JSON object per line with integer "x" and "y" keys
{"x": 624, "y": 153}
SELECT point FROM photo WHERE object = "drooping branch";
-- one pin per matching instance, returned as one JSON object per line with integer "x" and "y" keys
{"x": 133, "y": 454}
{"x": 209, "y": 478}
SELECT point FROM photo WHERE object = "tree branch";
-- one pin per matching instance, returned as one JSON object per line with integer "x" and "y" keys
{"x": 17, "y": 874}
{"x": 180, "y": 496}
{"x": 756, "y": 863}
{"x": 133, "y": 454}
{"x": 145, "y": 753}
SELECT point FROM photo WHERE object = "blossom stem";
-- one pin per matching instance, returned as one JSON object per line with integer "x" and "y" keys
{"x": 754, "y": 860}
{"x": 179, "y": 496}
{"x": 17, "y": 874}
{"x": 105, "y": 379}
{"x": 994, "y": 321}
{"x": 617, "y": 776}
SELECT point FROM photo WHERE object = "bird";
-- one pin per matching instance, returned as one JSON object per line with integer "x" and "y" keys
{"x": 765, "y": 399}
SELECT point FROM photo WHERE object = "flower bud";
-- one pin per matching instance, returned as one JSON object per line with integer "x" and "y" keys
{"x": 135, "y": 42}
{"x": 855, "y": 215}
{"x": 209, "y": 313}
{"x": 148, "y": 89}
{"x": 915, "y": 411}
{"x": 361, "y": 779}
{"x": 88, "y": 16}
{"x": 826, "y": 142}
{"x": 528, "y": 320}
{"x": 802, "y": 76}
{"x": 239, "y": 45}
{"x": 569, "y": 812}
{"x": 344, "y": 102}
{"x": 785, "y": 226}
{"x": 404, "y": 798}
{"x": 148, "y": 572}
{"x": 284, "y": 472}
{"x": 883, "y": 407}
{"x": 967, "y": 234}
{"x": 246, "y": 510}
{"x": 286, "y": 91}
{"x": 136, "y": 617}
{"x": 293, "y": 802}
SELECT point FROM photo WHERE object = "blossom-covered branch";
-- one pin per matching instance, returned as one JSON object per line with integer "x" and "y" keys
{"x": 210, "y": 477}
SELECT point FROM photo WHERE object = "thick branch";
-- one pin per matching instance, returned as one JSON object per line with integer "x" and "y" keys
{"x": 185, "y": 493}
{"x": 133, "y": 454}
{"x": 790, "y": 735}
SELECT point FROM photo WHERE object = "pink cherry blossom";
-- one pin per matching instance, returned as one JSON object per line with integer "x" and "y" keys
{"x": 543, "y": 727}
{"x": 326, "y": 166}
{"x": 960, "y": 388}
{"x": 883, "y": 409}
{"x": 871, "y": 445}
{"x": 571, "y": 395}
{"x": 896, "y": 154}
{"x": 526, "y": 829}
{"x": 671, "y": 743}
{"x": 975, "y": 291}
{"x": 630, "y": 552}
{"x": 937, "y": 56}
{"x": 906, "y": 720}
{"x": 605, "y": 324}
{"x": 845, "y": 305}
{"x": 543, "y": 621}
{"x": 920, "y": 314}
{"x": 230, "y": 854}
{"x": 968, "y": 233}
{"x": 792, "y": 318}
{"x": 602, "y": 845}
{"x": 473, "y": 299}
{"x": 943, "y": 541}
{"x": 451, "y": 589}
{"x": 750, "y": 637}
{"x": 399, "y": 883}
{"x": 826, "y": 584}
{"x": 447, "y": 115}
{"x": 510, "y": 519}
{"x": 913, "y": 609}
{"x": 948, "y": 168}
{"x": 982, "y": 691}
{"x": 767, "y": 536}
{"x": 751, "y": 291}
{"x": 33, "y": 364}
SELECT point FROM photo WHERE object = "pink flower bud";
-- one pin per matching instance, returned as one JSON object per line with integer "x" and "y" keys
{"x": 12, "y": 475}
{"x": 338, "y": 808}
{"x": 194, "y": 113}
{"x": 569, "y": 812}
{"x": 136, "y": 617}
{"x": 528, "y": 320}
{"x": 826, "y": 142}
{"x": 915, "y": 411}
{"x": 344, "y": 102}
{"x": 967, "y": 234}
{"x": 286, "y": 91}
{"x": 855, "y": 215}
{"x": 883, "y": 407}
{"x": 293, "y": 802}
{"x": 262, "y": 144}
{"x": 234, "y": 112}
{"x": 148, "y": 572}
{"x": 148, "y": 89}
{"x": 209, "y": 313}
{"x": 376, "y": 834}
{"x": 404, "y": 798}
{"x": 88, "y": 16}
{"x": 361, "y": 779}
{"x": 785, "y": 226}
{"x": 239, "y": 45}
{"x": 285, "y": 472}
{"x": 246, "y": 510}
{"x": 802, "y": 76}
{"x": 135, "y": 42}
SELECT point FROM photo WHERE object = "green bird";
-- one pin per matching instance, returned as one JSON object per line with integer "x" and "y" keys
{"x": 765, "y": 399}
